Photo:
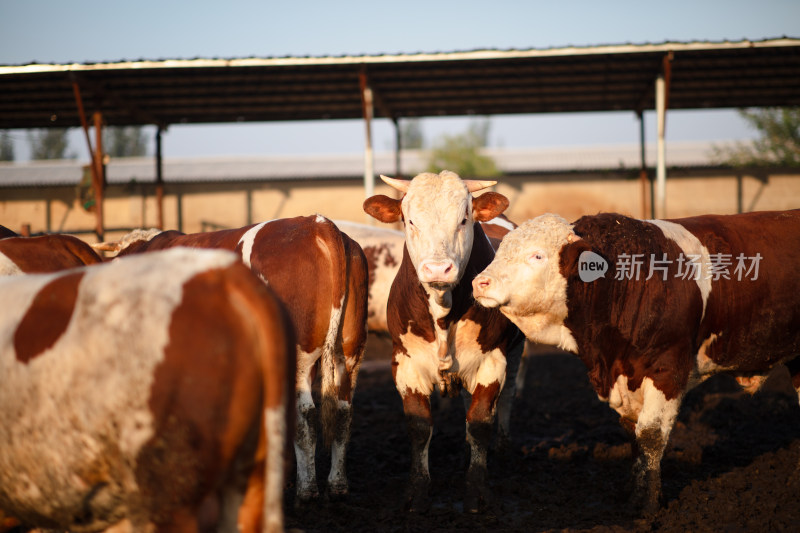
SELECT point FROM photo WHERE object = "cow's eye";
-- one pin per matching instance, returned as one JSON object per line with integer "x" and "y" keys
{"x": 464, "y": 222}
{"x": 537, "y": 257}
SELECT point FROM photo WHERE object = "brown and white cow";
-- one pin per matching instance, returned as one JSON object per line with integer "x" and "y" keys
{"x": 137, "y": 391}
{"x": 441, "y": 338}
{"x": 383, "y": 248}
{"x": 320, "y": 274}
{"x": 653, "y": 307}
{"x": 46, "y": 253}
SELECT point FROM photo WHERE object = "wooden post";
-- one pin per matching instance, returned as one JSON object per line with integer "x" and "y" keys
{"x": 99, "y": 176}
{"x": 159, "y": 183}
{"x": 368, "y": 111}
{"x": 643, "y": 179}
{"x": 662, "y": 103}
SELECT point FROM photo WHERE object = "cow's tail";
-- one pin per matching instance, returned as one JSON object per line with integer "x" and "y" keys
{"x": 331, "y": 350}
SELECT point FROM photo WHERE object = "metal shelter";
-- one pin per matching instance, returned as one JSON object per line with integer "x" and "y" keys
{"x": 629, "y": 77}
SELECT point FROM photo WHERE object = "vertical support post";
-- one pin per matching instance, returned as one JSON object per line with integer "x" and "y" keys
{"x": 739, "y": 193}
{"x": 398, "y": 148}
{"x": 159, "y": 182}
{"x": 368, "y": 111}
{"x": 643, "y": 180}
{"x": 661, "y": 165}
{"x": 99, "y": 176}
{"x": 662, "y": 103}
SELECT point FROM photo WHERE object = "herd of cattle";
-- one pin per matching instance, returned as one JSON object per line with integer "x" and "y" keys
{"x": 154, "y": 390}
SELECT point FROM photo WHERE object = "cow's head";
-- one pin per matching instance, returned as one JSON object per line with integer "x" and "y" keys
{"x": 524, "y": 279}
{"x": 438, "y": 213}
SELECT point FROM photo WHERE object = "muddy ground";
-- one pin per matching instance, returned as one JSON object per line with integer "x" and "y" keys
{"x": 732, "y": 464}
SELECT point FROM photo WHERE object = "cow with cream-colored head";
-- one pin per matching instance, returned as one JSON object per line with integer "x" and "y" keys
{"x": 441, "y": 339}
{"x": 651, "y": 309}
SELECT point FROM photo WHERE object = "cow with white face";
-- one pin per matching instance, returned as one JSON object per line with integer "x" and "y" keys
{"x": 710, "y": 294}
{"x": 441, "y": 339}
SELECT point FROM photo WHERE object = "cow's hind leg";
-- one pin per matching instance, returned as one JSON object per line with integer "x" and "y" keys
{"x": 346, "y": 376}
{"x": 305, "y": 439}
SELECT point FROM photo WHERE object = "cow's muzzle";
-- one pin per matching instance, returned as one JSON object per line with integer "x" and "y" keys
{"x": 438, "y": 272}
{"x": 482, "y": 287}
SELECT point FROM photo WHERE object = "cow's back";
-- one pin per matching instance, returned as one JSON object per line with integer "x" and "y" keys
{"x": 116, "y": 377}
{"x": 46, "y": 253}
{"x": 752, "y": 310}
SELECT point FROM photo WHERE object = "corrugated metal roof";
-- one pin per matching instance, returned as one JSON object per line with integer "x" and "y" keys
{"x": 328, "y": 167}
{"x": 480, "y": 82}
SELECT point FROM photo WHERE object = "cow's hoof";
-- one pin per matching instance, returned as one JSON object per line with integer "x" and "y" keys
{"x": 476, "y": 498}
{"x": 417, "y": 500}
{"x": 305, "y": 498}
{"x": 336, "y": 493}
{"x": 646, "y": 504}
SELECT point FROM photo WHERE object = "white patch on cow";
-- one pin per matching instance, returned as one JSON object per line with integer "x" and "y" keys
{"x": 647, "y": 406}
{"x": 8, "y": 267}
{"x": 474, "y": 366}
{"x": 247, "y": 241}
{"x": 544, "y": 330}
{"x": 90, "y": 390}
{"x": 502, "y": 222}
{"x": 705, "y": 366}
{"x": 136, "y": 235}
{"x": 624, "y": 401}
{"x": 656, "y": 410}
{"x": 319, "y": 219}
{"x": 275, "y": 426}
{"x": 690, "y": 246}
{"x": 419, "y": 371}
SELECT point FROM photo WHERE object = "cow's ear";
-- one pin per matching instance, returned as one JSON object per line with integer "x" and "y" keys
{"x": 383, "y": 208}
{"x": 570, "y": 255}
{"x": 488, "y": 205}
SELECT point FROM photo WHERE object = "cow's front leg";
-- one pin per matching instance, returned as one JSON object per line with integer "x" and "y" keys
{"x": 652, "y": 430}
{"x": 305, "y": 438}
{"x": 485, "y": 392}
{"x": 417, "y": 408}
{"x": 415, "y": 384}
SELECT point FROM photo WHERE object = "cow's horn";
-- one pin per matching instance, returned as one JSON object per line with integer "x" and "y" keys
{"x": 400, "y": 185}
{"x": 477, "y": 185}
{"x": 106, "y": 246}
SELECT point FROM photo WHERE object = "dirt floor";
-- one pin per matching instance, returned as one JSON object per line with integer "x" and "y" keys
{"x": 732, "y": 464}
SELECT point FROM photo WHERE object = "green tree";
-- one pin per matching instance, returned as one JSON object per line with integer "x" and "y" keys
{"x": 128, "y": 141}
{"x": 461, "y": 153}
{"x": 778, "y": 143}
{"x": 6, "y": 147}
{"x": 411, "y": 137}
{"x": 50, "y": 143}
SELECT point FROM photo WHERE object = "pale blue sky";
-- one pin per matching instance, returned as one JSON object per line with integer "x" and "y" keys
{"x": 58, "y": 31}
